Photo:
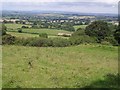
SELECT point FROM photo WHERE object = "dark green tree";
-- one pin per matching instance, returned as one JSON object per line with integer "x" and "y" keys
{"x": 67, "y": 27}
{"x": 79, "y": 32}
{"x": 117, "y": 34}
{"x": 3, "y": 29}
{"x": 19, "y": 30}
{"x": 98, "y": 29}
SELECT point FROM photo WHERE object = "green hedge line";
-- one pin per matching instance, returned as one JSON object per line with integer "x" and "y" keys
{"x": 54, "y": 42}
{"x": 44, "y": 42}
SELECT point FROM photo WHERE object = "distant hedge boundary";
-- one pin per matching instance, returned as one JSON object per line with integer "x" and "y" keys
{"x": 54, "y": 42}
{"x": 44, "y": 42}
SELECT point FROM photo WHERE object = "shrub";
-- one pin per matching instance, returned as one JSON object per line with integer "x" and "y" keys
{"x": 40, "y": 42}
{"x": 3, "y": 29}
{"x": 79, "y": 32}
{"x": 35, "y": 26}
{"x": 79, "y": 37}
{"x": 3, "y": 32}
{"x": 68, "y": 27}
{"x": 23, "y": 41}
{"x": 76, "y": 40}
{"x": 24, "y": 27}
{"x": 43, "y": 35}
{"x": 109, "y": 40}
{"x": 59, "y": 42}
{"x": 8, "y": 39}
{"x": 19, "y": 30}
{"x": 117, "y": 34}
{"x": 105, "y": 43}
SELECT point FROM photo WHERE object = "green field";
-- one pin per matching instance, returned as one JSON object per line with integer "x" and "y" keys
{"x": 52, "y": 33}
{"x": 0, "y": 66}
{"x": 68, "y": 67}
{"x": 23, "y": 35}
{"x": 27, "y": 35}
{"x": 80, "y": 26}
{"x": 14, "y": 26}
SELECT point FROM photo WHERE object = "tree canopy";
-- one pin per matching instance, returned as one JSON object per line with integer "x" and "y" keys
{"x": 117, "y": 34}
{"x": 3, "y": 29}
{"x": 98, "y": 29}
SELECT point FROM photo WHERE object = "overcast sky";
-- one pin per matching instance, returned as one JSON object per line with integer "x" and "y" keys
{"x": 85, "y": 6}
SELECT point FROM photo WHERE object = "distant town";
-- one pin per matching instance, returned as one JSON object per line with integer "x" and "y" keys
{"x": 76, "y": 19}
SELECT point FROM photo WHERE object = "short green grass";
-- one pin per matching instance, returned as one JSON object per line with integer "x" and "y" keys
{"x": 15, "y": 26}
{"x": 28, "y": 35}
{"x": 68, "y": 67}
{"x": 23, "y": 35}
{"x": 51, "y": 32}
{"x": 0, "y": 66}
{"x": 80, "y": 26}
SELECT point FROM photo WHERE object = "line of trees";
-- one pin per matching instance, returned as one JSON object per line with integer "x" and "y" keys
{"x": 96, "y": 32}
{"x": 54, "y": 25}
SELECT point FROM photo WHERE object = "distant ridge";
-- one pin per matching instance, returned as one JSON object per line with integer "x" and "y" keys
{"x": 61, "y": 12}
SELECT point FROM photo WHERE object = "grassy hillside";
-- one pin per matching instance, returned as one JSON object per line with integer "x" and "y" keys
{"x": 0, "y": 66}
{"x": 78, "y": 66}
{"x": 80, "y": 26}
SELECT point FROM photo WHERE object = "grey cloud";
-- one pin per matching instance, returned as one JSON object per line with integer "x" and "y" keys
{"x": 87, "y": 7}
